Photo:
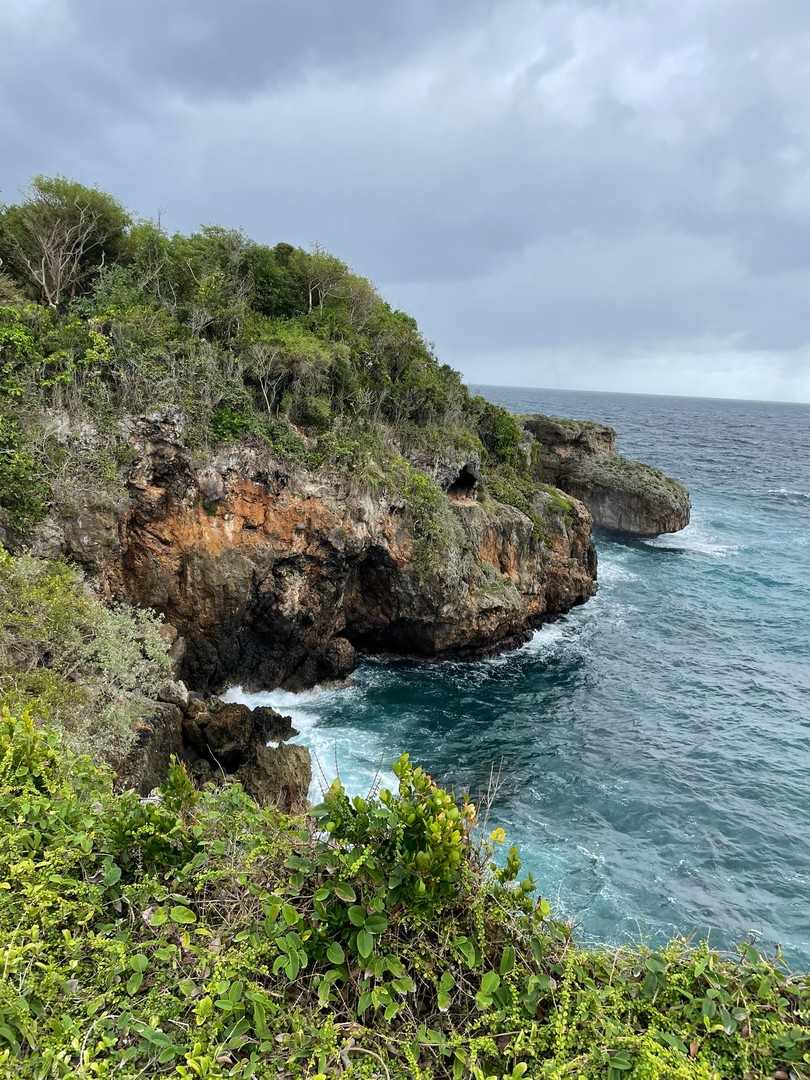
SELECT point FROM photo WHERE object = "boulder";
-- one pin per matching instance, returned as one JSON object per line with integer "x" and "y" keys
{"x": 278, "y": 776}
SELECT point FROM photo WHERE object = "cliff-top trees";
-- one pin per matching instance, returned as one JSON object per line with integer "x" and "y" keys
{"x": 59, "y": 236}
{"x": 277, "y": 343}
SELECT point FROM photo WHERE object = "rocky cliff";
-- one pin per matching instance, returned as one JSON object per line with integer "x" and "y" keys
{"x": 623, "y": 496}
{"x": 272, "y": 575}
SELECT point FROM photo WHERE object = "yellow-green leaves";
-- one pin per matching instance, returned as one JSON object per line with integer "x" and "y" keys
{"x": 182, "y": 915}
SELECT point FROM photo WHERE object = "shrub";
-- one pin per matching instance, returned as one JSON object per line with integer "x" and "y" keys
{"x": 500, "y": 433}
{"x": 198, "y": 935}
{"x": 22, "y": 492}
{"x": 76, "y": 663}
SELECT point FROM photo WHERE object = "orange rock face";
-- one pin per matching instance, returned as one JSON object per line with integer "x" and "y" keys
{"x": 275, "y": 576}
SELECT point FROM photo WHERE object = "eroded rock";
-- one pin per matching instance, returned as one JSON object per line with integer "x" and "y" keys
{"x": 220, "y": 741}
{"x": 274, "y": 576}
{"x": 623, "y": 496}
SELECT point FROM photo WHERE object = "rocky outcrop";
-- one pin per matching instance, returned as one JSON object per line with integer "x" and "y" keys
{"x": 623, "y": 496}
{"x": 272, "y": 575}
{"x": 220, "y": 741}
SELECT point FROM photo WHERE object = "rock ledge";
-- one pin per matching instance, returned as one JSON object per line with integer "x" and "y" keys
{"x": 623, "y": 496}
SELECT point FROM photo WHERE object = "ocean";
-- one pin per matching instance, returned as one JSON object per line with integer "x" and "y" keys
{"x": 649, "y": 753}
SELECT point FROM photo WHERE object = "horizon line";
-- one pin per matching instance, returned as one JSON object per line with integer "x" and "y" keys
{"x": 635, "y": 393}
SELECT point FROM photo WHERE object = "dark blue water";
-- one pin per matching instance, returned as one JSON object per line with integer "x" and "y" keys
{"x": 654, "y": 745}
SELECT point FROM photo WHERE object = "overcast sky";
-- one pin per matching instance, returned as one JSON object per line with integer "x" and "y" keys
{"x": 594, "y": 194}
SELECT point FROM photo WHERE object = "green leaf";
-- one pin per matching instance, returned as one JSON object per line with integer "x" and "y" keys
{"x": 293, "y": 966}
{"x": 363, "y": 1003}
{"x": 139, "y": 962}
{"x": 507, "y": 960}
{"x": 375, "y": 924}
{"x": 158, "y": 917}
{"x": 335, "y": 953}
{"x": 134, "y": 983}
{"x": 357, "y": 915}
{"x": 728, "y": 1022}
{"x": 621, "y": 1061}
{"x": 289, "y": 914}
{"x": 345, "y": 892}
{"x": 182, "y": 915}
{"x": 365, "y": 943}
{"x": 112, "y": 874}
{"x": 467, "y": 950}
{"x": 490, "y": 983}
{"x": 671, "y": 1040}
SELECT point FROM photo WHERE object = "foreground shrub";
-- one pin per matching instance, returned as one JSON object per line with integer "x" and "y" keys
{"x": 197, "y": 935}
{"x": 76, "y": 663}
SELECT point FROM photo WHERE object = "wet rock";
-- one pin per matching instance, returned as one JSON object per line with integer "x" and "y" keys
{"x": 227, "y": 733}
{"x": 268, "y": 725}
{"x": 278, "y": 776}
{"x": 330, "y": 663}
{"x": 218, "y": 741}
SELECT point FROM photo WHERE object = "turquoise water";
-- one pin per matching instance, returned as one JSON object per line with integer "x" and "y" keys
{"x": 653, "y": 746}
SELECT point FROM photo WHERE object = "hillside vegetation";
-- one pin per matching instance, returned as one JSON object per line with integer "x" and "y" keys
{"x": 73, "y": 662}
{"x": 103, "y": 315}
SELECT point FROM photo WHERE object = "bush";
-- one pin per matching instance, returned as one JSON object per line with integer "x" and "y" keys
{"x": 500, "y": 433}
{"x": 22, "y": 492}
{"x": 75, "y": 663}
{"x": 198, "y": 935}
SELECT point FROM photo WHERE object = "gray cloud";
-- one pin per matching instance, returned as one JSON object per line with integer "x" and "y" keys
{"x": 610, "y": 193}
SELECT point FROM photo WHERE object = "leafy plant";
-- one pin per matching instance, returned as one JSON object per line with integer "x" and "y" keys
{"x": 198, "y": 935}
{"x": 73, "y": 661}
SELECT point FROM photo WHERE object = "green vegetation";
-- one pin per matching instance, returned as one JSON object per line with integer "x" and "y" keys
{"x": 103, "y": 315}
{"x": 582, "y": 425}
{"x": 73, "y": 662}
{"x": 198, "y": 936}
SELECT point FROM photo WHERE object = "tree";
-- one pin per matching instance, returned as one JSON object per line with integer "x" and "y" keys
{"x": 289, "y": 360}
{"x": 325, "y": 274}
{"x": 60, "y": 235}
{"x": 278, "y": 282}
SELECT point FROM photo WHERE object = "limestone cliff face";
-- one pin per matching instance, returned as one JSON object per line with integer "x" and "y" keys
{"x": 273, "y": 576}
{"x": 623, "y": 496}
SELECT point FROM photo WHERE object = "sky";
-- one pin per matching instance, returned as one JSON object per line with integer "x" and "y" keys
{"x": 586, "y": 194}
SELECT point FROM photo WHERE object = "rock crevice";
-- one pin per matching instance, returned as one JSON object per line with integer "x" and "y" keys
{"x": 220, "y": 741}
